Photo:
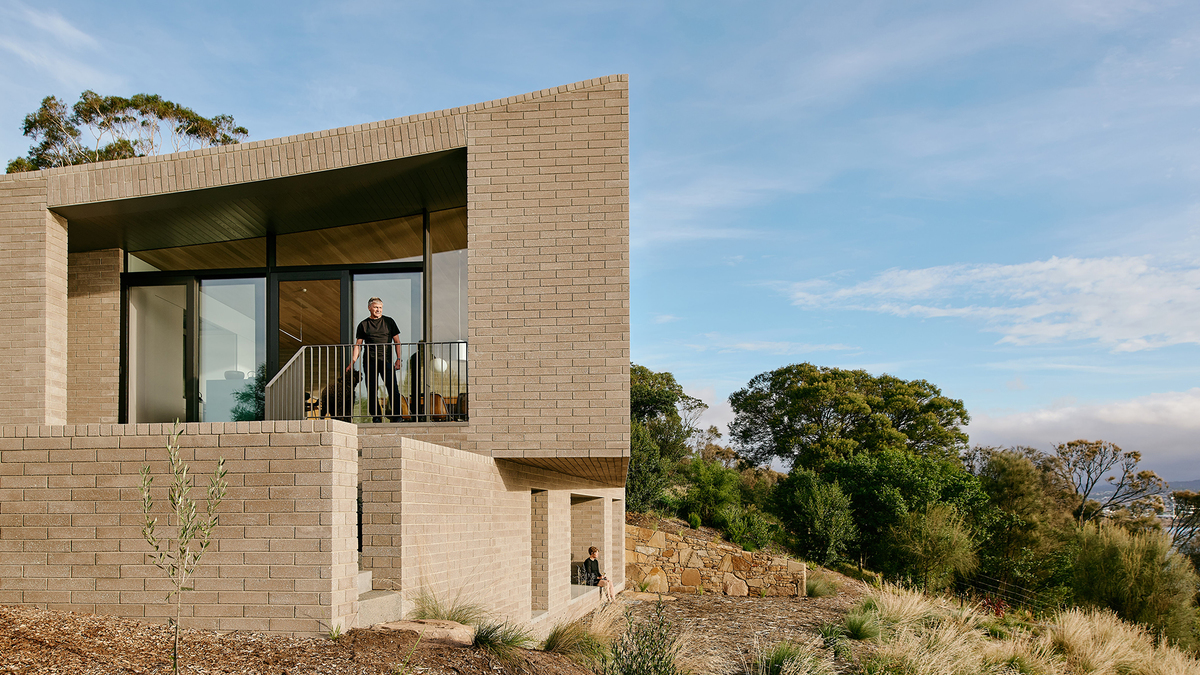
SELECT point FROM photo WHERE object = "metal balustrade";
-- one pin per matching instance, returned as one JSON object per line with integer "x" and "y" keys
{"x": 428, "y": 383}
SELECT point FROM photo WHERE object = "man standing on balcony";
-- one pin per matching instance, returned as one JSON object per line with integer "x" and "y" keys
{"x": 377, "y": 332}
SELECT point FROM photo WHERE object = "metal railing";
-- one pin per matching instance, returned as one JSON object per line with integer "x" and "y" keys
{"x": 398, "y": 383}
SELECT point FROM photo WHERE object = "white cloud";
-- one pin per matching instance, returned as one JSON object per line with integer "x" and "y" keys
{"x": 54, "y": 24}
{"x": 723, "y": 344}
{"x": 1126, "y": 303}
{"x": 1163, "y": 427}
{"x": 665, "y": 318}
{"x": 25, "y": 34}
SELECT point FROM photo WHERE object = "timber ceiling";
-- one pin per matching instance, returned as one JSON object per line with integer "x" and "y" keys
{"x": 365, "y": 193}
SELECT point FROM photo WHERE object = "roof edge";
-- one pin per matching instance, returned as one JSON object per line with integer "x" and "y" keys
{"x": 282, "y": 140}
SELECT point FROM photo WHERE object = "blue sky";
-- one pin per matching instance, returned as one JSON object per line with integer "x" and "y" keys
{"x": 1001, "y": 198}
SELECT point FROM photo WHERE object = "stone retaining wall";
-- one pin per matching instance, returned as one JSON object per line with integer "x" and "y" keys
{"x": 688, "y": 562}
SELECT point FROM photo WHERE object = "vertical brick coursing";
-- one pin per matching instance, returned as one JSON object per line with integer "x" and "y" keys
{"x": 94, "y": 349}
{"x": 33, "y": 306}
{"x": 539, "y": 552}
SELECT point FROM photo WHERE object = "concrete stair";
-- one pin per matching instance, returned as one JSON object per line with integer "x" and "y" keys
{"x": 376, "y": 606}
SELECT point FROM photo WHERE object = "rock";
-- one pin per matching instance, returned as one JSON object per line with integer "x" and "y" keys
{"x": 656, "y": 581}
{"x": 735, "y": 586}
{"x": 685, "y": 556}
{"x": 657, "y": 540}
{"x": 726, "y": 564}
{"x": 449, "y": 633}
{"x": 691, "y": 577}
{"x": 740, "y": 564}
{"x": 634, "y": 574}
{"x": 794, "y": 566}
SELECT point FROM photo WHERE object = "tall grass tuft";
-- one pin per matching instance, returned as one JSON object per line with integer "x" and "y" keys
{"x": 819, "y": 587}
{"x": 861, "y": 625}
{"x": 943, "y": 648}
{"x": 503, "y": 639}
{"x": 787, "y": 658}
{"x": 586, "y": 641}
{"x": 429, "y": 605}
{"x": 903, "y": 608}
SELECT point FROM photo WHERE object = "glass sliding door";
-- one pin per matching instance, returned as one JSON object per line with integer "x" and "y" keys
{"x": 233, "y": 349}
{"x": 157, "y": 346}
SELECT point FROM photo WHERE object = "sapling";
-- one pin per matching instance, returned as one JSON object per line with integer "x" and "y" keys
{"x": 180, "y": 556}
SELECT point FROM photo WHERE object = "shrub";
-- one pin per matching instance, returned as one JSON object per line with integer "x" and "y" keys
{"x": 937, "y": 543}
{"x": 711, "y": 487}
{"x": 647, "y": 647}
{"x": 748, "y": 528}
{"x": 816, "y": 514}
{"x": 817, "y": 586}
{"x": 503, "y": 639}
{"x": 1138, "y": 576}
{"x": 694, "y": 520}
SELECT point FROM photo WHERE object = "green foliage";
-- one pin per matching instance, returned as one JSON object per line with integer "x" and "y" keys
{"x": 503, "y": 639}
{"x": 816, "y": 514}
{"x": 649, "y": 472}
{"x": 662, "y": 419}
{"x": 816, "y": 586}
{"x": 119, "y": 127}
{"x": 808, "y": 415}
{"x": 429, "y": 605}
{"x": 694, "y": 520}
{"x": 861, "y": 625}
{"x": 747, "y": 527}
{"x": 1024, "y": 539}
{"x": 251, "y": 399}
{"x": 937, "y": 545}
{"x": 1140, "y": 577}
{"x": 647, "y": 647}
{"x": 885, "y": 486}
{"x": 711, "y": 487}
{"x": 179, "y": 556}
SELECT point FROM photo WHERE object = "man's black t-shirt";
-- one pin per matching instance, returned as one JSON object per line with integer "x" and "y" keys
{"x": 377, "y": 332}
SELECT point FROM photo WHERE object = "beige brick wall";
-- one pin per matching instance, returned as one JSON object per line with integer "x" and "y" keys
{"x": 284, "y": 555}
{"x": 94, "y": 350}
{"x": 33, "y": 304}
{"x": 539, "y": 550}
{"x": 455, "y": 522}
{"x": 548, "y": 272}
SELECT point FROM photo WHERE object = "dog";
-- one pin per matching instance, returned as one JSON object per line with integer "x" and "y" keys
{"x": 337, "y": 399}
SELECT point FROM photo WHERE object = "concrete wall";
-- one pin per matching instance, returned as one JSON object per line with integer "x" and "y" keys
{"x": 284, "y": 555}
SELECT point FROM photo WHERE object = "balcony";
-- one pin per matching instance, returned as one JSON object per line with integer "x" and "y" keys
{"x": 428, "y": 384}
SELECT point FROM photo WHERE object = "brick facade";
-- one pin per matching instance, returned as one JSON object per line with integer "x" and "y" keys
{"x": 447, "y": 506}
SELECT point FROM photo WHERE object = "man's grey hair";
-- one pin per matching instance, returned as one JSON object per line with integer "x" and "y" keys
{"x": 373, "y": 301}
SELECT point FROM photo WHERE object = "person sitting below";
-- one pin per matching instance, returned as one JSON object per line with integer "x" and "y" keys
{"x": 593, "y": 577}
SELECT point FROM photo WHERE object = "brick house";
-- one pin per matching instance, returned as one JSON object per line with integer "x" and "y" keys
{"x": 146, "y": 290}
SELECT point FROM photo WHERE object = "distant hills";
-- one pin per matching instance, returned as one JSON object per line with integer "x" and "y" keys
{"x": 1193, "y": 485}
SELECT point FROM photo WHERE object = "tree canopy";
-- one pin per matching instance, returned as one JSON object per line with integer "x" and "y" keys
{"x": 119, "y": 128}
{"x": 809, "y": 415}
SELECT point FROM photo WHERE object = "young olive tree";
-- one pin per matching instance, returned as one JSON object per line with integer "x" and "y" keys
{"x": 179, "y": 556}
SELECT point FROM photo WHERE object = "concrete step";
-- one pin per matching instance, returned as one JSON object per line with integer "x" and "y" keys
{"x": 378, "y": 607}
{"x": 364, "y": 581}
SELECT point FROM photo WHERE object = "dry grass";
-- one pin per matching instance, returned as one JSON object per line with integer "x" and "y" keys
{"x": 587, "y": 641}
{"x": 933, "y": 637}
{"x": 786, "y": 658}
